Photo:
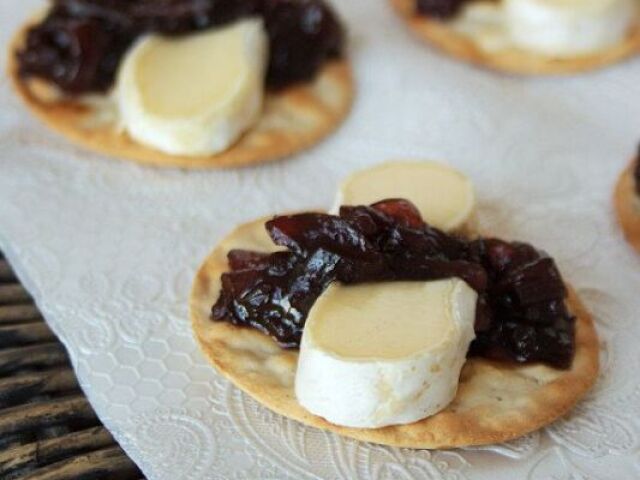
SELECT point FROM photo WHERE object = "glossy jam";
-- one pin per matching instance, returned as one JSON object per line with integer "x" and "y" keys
{"x": 79, "y": 54}
{"x": 80, "y": 43}
{"x": 521, "y": 314}
{"x": 441, "y": 9}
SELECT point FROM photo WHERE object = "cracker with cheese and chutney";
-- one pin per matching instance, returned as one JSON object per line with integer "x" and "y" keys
{"x": 528, "y": 37}
{"x": 389, "y": 321}
{"x": 186, "y": 83}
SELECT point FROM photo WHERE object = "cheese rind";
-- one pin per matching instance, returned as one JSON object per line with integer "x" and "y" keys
{"x": 484, "y": 22}
{"x": 554, "y": 28}
{"x": 397, "y": 361}
{"x": 194, "y": 95}
{"x": 566, "y": 28}
{"x": 443, "y": 195}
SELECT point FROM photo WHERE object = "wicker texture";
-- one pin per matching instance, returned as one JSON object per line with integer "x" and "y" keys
{"x": 48, "y": 430}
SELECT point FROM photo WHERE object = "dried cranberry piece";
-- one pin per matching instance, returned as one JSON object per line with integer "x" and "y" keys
{"x": 276, "y": 264}
{"x": 111, "y": 11}
{"x": 532, "y": 282}
{"x": 248, "y": 260}
{"x": 393, "y": 238}
{"x": 439, "y": 8}
{"x": 359, "y": 260}
{"x": 309, "y": 231}
{"x": 404, "y": 244}
{"x": 173, "y": 17}
{"x": 484, "y": 315}
{"x": 498, "y": 255}
{"x": 525, "y": 343}
{"x": 542, "y": 313}
{"x": 401, "y": 211}
{"x": 529, "y": 321}
{"x": 77, "y": 55}
{"x": 303, "y": 34}
{"x": 276, "y": 301}
{"x": 435, "y": 269}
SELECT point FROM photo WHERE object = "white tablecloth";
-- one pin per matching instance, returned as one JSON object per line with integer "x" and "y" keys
{"x": 109, "y": 249}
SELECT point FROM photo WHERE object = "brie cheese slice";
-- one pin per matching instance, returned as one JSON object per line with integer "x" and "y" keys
{"x": 566, "y": 28}
{"x": 443, "y": 195}
{"x": 194, "y": 95}
{"x": 385, "y": 353}
{"x": 483, "y": 21}
{"x": 554, "y": 28}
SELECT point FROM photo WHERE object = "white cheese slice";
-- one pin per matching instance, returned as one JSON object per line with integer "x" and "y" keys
{"x": 555, "y": 28}
{"x": 484, "y": 22}
{"x": 568, "y": 27}
{"x": 194, "y": 95}
{"x": 443, "y": 195}
{"x": 383, "y": 354}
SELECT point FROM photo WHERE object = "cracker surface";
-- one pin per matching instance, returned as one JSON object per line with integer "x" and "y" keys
{"x": 495, "y": 402}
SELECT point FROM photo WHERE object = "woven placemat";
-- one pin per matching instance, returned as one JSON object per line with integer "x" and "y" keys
{"x": 48, "y": 430}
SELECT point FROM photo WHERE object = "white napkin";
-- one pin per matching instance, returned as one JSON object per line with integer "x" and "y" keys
{"x": 109, "y": 250}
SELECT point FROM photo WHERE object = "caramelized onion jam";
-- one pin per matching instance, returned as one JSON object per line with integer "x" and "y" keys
{"x": 79, "y": 44}
{"x": 442, "y": 9}
{"x": 521, "y": 315}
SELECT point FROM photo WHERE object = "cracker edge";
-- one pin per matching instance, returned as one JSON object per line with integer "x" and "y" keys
{"x": 443, "y": 430}
{"x": 64, "y": 117}
{"x": 511, "y": 61}
{"x": 626, "y": 203}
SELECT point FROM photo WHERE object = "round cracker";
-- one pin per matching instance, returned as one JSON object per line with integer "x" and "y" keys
{"x": 292, "y": 120}
{"x": 511, "y": 60}
{"x": 495, "y": 402}
{"x": 627, "y": 205}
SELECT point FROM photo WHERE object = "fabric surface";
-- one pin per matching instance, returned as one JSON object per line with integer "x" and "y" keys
{"x": 109, "y": 249}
